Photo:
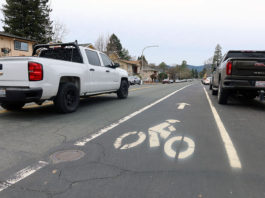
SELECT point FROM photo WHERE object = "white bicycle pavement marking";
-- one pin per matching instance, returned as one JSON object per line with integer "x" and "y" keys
{"x": 160, "y": 129}
{"x": 154, "y": 140}
{"x": 118, "y": 142}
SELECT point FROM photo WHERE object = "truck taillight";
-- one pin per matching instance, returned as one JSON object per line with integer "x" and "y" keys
{"x": 35, "y": 71}
{"x": 229, "y": 68}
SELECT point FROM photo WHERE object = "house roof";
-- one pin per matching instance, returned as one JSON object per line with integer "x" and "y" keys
{"x": 90, "y": 45}
{"x": 148, "y": 68}
{"x": 14, "y": 36}
{"x": 131, "y": 62}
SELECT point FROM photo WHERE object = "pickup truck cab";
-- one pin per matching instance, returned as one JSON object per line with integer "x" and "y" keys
{"x": 59, "y": 72}
{"x": 240, "y": 72}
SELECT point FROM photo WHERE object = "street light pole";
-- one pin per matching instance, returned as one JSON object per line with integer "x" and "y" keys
{"x": 143, "y": 55}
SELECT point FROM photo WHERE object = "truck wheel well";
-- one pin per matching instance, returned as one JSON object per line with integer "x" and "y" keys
{"x": 126, "y": 79}
{"x": 72, "y": 79}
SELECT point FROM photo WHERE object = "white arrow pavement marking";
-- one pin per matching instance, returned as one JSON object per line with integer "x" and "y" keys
{"x": 183, "y": 154}
{"x": 141, "y": 139}
{"x": 182, "y": 105}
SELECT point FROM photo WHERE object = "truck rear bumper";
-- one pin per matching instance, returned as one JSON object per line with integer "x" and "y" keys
{"x": 242, "y": 85}
{"x": 20, "y": 94}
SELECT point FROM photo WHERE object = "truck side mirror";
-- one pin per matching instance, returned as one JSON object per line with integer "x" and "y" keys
{"x": 116, "y": 65}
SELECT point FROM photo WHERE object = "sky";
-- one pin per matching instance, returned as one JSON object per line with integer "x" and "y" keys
{"x": 183, "y": 29}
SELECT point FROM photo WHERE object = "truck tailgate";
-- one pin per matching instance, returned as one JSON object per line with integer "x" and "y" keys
{"x": 13, "y": 69}
{"x": 248, "y": 67}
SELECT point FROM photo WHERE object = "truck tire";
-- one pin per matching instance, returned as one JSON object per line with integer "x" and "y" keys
{"x": 67, "y": 99}
{"x": 122, "y": 93}
{"x": 222, "y": 95}
{"x": 214, "y": 92}
{"x": 12, "y": 106}
{"x": 210, "y": 86}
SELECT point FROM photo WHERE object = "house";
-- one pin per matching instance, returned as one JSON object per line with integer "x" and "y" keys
{"x": 11, "y": 45}
{"x": 89, "y": 45}
{"x": 147, "y": 72}
{"x": 132, "y": 67}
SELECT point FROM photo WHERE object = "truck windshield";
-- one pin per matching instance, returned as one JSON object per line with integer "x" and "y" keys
{"x": 245, "y": 54}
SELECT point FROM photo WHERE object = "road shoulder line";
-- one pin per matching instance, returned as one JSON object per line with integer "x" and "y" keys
{"x": 229, "y": 147}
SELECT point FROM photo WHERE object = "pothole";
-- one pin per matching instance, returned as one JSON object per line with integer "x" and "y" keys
{"x": 66, "y": 156}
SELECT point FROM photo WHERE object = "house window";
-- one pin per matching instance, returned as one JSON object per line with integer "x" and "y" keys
{"x": 22, "y": 46}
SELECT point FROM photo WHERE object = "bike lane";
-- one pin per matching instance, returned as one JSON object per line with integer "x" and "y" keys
{"x": 169, "y": 150}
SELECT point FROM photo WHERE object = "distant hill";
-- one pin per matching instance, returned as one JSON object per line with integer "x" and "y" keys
{"x": 199, "y": 68}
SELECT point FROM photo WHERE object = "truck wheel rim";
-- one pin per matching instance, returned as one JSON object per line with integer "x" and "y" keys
{"x": 124, "y": 89}
{"x": 70, "y": 98}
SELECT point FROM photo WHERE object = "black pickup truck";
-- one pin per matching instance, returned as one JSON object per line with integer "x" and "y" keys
{"x": 240, "y": 72}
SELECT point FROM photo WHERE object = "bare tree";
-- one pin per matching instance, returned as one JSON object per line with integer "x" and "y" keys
{"x": 102, "y": 42}
{"x": 59, "y": 31}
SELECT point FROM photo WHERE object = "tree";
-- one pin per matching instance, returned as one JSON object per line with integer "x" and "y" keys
{"x": 217, "y": 57}
{"x": 163, "y": 66}
{"x": 184, "y": 64}
{"x": 203, "y": 72}
{"x": 114, "y": 45}
{"x": 196, "y": 75}
{"x": 30, "y": 19}
{"x": 162, "y": 76}
{"x": 125, "y": 54}
{"x": 172, "y": 71}
{"x": 102, "y": 42}
{"x": 59, "y": 32}
{"x": 153, "y": 77}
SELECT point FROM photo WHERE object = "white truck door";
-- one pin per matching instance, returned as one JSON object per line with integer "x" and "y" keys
{"x": 113, "y": 76}
{"x": 97, "y": 73}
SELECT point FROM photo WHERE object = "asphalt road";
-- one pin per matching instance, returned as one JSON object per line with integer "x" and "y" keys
{"x": 153, "y": 145}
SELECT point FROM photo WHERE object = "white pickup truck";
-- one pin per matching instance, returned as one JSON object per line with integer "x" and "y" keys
{"x": 59, "y": 72}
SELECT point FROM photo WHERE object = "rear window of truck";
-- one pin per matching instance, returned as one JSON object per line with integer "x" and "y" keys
{"x": 65, "y": 54}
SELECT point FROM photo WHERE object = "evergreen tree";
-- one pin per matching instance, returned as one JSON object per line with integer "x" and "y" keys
{"x": 125, "y": 54}
{"x": 163, "y": 66}
{"x": 184, "y": 64}
{"x": 28, "y": 18}
{"x": 217, "y": 56}
{"x": 196, "y": 75}
{"x": 193, "y": 73}
{"x": 114, "y": 45}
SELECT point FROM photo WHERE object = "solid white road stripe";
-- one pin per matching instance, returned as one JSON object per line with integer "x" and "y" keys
{"x": 22, "y": 174}
{"x": 106, "y": 129}
{"x": 229, "y": 147}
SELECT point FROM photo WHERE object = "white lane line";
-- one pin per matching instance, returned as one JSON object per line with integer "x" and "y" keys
{"x": 106, "y": 129}
{"x": 229, "y": 147}
{"x": 22, "y": 174}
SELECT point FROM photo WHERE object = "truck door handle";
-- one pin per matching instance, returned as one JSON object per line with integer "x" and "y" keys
{"x": 107, "y": 70}
{"x": 92, "y": 70}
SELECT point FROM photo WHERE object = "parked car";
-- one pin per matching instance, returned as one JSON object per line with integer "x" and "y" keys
{"x": 206, "y": 81}
{"x": 240, "y": 72}
{"x": 61, "y": 73}
{"x": 133, "y": 80}
{"x": 167, "y": 81}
